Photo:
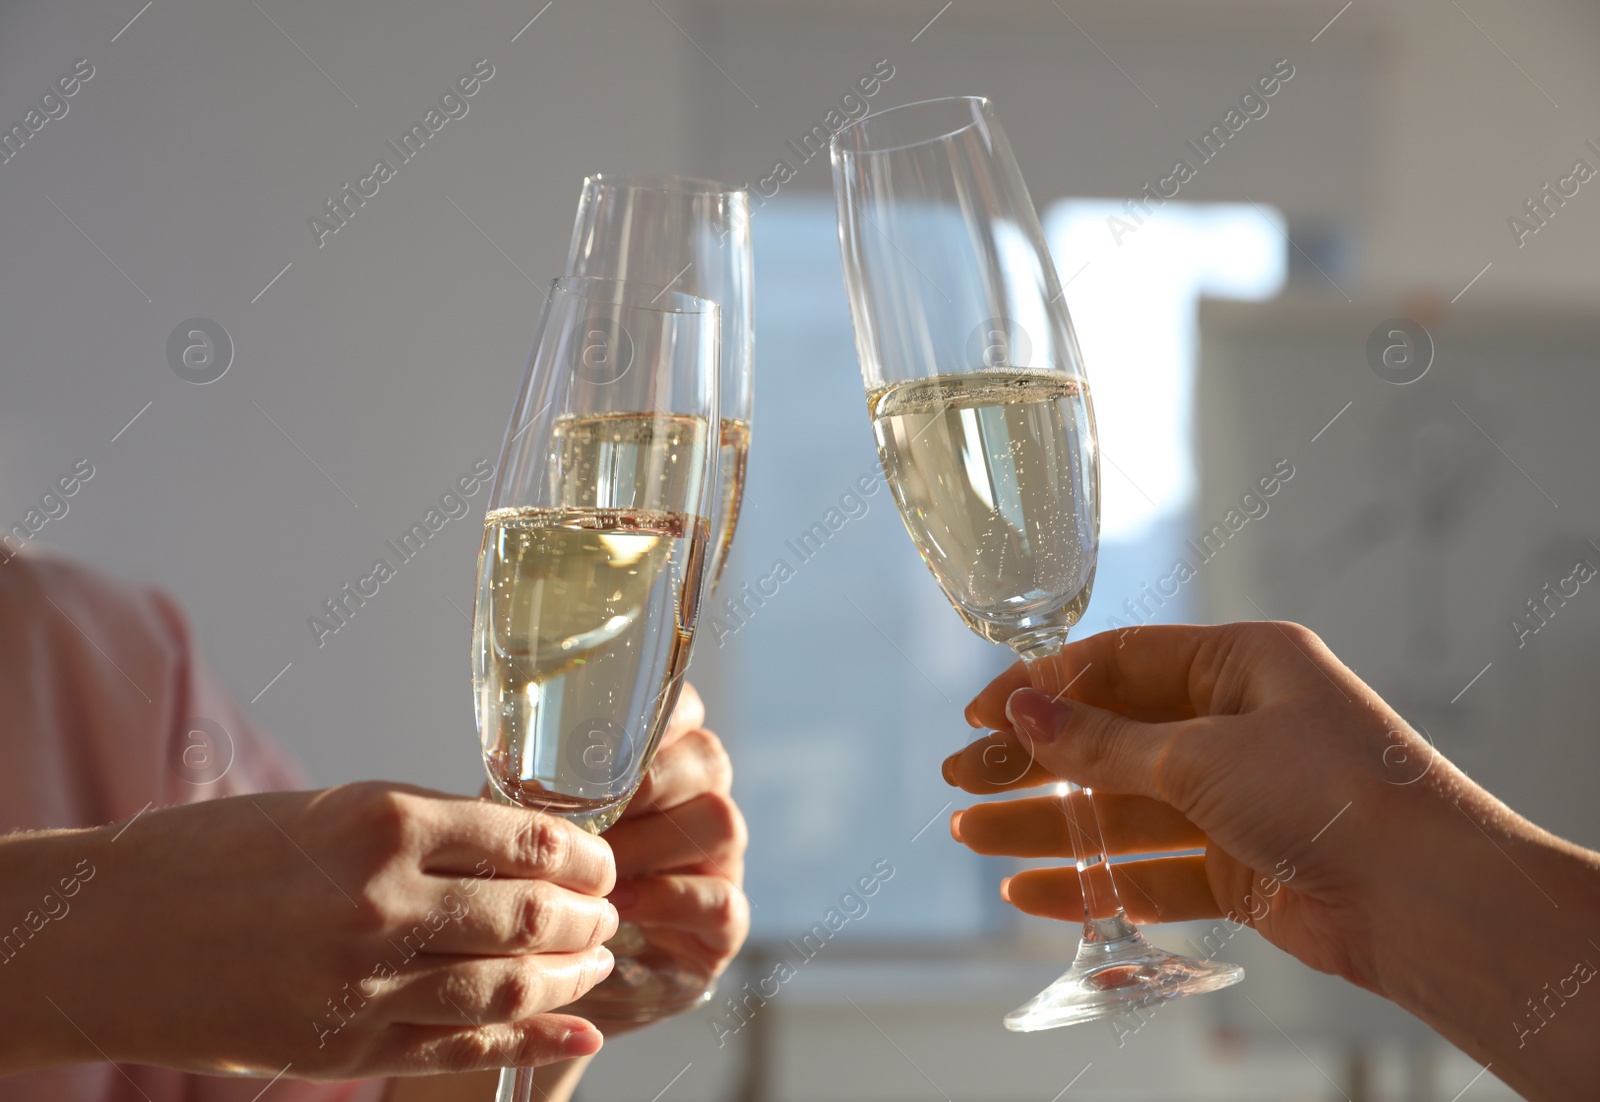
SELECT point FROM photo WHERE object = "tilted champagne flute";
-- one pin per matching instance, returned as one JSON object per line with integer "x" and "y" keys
{"x": 593, "y": 559}
{"x": 977, "y": 395}
{"x": 691, "y": 236}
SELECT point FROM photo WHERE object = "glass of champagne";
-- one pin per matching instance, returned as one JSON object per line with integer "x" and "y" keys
{"x": 691, "y": 236}
{"x": 985, "y": 428}
{"x": 594, "y": 551}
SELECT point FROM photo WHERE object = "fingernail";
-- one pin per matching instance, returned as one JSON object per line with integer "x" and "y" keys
{"x": 970, "y": 715}
{"x": 607, "y": 963}
{"x": 1005, "y": 889}
{"x": 581, "y": 1042}
{"x": 949, "y": 769}
{"x": 624, "y": 895}
{"x": 1039, "y": 716}
{"x": 612, "y": 921}
{"x": 955, "y": 825}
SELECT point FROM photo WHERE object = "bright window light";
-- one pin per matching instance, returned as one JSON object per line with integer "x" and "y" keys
{"x": 1133, "y": 286}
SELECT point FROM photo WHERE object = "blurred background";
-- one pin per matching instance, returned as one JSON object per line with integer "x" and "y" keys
{"x": 1239, "y": 328}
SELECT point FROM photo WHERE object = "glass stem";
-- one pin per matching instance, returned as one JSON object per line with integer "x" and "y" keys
{"x": 516, "y": 1085}
{"x": 1104, "y": 920}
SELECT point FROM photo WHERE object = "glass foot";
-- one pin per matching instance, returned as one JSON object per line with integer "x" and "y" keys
{"x": 648, "y": 983}
{"x": 1117, "y": 977}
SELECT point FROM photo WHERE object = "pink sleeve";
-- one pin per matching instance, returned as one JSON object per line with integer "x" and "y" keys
{"x": 106, "y": 709}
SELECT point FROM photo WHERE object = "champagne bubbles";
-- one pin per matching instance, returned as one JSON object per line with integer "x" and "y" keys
{"x": 1399, "y": 351}
{"x": 200, "y": 351}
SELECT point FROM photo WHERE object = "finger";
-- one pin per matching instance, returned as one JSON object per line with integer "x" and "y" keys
{"x": 687, "y": 714}
{"x": 1176, "y": 671}
{"x": 470, "y": 990}
{"x": 1038, "y": 827}
{"x": 1000, "y": 761}
{"x": 483, "y": 839}
{"x": 1170, "y": 762}
{"x": 514, "y": 917}
{"x": 694, "y": 764}
{"x": 709, "y": 828}
{"x": 709, "y": 907}
{"x": 543, "y": 1039}
{"x": 1162, "y": 889}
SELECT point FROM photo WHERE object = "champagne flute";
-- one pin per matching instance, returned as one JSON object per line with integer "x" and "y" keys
{"x": 985, "y": 428}
{"x": 691, "y": 236}
{"x": 593, "y": 559}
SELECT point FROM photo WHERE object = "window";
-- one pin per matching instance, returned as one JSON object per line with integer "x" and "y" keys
{"x": 846, "y": 668}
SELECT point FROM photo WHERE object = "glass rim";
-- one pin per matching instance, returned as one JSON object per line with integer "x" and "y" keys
{"x": 631, "y": 293}
{"x": 669, "y": 184}
{"x": 982, "y": 104}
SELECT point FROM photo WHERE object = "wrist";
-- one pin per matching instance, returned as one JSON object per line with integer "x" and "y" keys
{"x": 1491, "y": 912}
{"x": 45, "y": 878}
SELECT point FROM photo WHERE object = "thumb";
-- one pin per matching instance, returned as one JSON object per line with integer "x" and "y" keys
{"x": 1096, "y": 748}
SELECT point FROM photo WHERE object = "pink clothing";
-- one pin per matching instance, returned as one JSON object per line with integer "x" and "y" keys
{"x": 100, "y": 691}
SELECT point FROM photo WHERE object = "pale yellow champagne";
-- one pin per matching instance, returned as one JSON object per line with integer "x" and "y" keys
{"x": 586, "y": 611}
{"x": 995, "y": 477}
{"x": 735, "y": 457}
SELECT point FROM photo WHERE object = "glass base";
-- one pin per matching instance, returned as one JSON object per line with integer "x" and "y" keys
{"x": 1118, "y": 977}
{"x": 648, "y": 983}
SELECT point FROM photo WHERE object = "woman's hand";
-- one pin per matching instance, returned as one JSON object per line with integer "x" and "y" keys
{"x": 680, "y": 849}
{"x": 370, "y": 929}
{"x": 1325, "y": 822}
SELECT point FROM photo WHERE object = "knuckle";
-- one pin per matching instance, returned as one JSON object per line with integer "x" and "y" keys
{"x": 516, "y": 996}
{"x": 542, "y": 845}
{"x": 729, "y": 833}
{"x": 466, "y": 1050}
{"x": 713, "y": 756}
{"x": 536, "y": 918}
{"x": 732, "y": 911}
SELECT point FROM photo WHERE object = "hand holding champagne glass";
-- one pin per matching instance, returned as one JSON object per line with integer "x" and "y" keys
{"x": 985, "y": 429}
{"x": 594, "y": 550}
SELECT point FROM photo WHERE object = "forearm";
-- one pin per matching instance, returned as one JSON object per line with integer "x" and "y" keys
{"x": 44, "y": 878}
{"x": 1496, "y": 944}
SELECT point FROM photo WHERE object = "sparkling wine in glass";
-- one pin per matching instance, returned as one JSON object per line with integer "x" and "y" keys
{"x": 593, "y": 558}
{"x": 985, "y": 428}
{"x": 692, "y": 236}
{"x": 689, "y": 235}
